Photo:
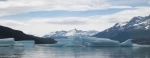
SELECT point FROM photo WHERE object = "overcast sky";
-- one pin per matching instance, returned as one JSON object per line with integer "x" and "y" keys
{"x": 43, "y": 16}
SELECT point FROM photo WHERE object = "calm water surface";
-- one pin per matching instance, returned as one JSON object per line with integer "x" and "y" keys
{"x": 74, "y": 52}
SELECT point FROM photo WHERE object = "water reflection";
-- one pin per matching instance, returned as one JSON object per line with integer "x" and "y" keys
{"x": 9, "y": 52}
{"x": 77, "y": 52}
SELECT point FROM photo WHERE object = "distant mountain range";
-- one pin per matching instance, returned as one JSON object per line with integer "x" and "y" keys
{"x": 138, "y": 28}
{"x": 70, "y": 33}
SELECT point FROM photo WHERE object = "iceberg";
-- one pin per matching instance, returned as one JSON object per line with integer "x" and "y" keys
{"x": 93, "y": 41}
{"x": 60, "y": 43}
{"x": 90, "y": 42}
{"x": 7, "y": 42}
{"x": 85, "y": 42}
{"x": 127, "y": 43}
{"x": 73, "y": 45}
{"x": 12, "y": 42}
{"x": 25, "y": 43}
{"x": 50, "y": 45}
{"x": 16, "y": 44}
{"x": 63, "y": 41}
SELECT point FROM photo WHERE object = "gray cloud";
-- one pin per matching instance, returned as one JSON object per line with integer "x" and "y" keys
{"x": 128, "y": 2}
{"x": 3, "y": 0}
{"x": 11, "y": 7}
{"x": 73, "y": 22}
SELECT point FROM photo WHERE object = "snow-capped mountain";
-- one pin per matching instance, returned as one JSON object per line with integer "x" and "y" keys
{"x": 136, "y": 23}
{"x": 66, "y": 34}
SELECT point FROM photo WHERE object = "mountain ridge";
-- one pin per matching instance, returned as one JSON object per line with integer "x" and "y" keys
{"x": 6, "y": 32}
{"x": 127, "y": 30}
{"x": 70, "y": 33}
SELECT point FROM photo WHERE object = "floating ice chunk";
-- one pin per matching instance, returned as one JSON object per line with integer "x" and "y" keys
{"x": 26, "y": 43}
{"x": 89, "y": 42}
{"x": 7, "y": 42}
{"x": 93, "y": 41}
{"x": 16, "y": 44}
{"x": 60, "y": 43}
{"x": 51, "y": 45}
{"x": 127, "y": 43}
{"x": 74, "y": 45}
{"x": 63, "y": 41}
{"x": 104, "y": 43}
{"x": 136, "y": 45}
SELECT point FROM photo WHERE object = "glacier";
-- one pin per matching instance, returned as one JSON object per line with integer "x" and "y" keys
{"x": 90, "y": 42}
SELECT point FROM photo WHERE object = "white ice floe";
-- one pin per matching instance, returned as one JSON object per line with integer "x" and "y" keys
{"x": 91, "y": 41}
{"x": 85, "y": 42}
{"x": 72, "y": 42}
{"x": 127, "y": 43}
{"x": 7, "y": 42}
{"x": 12, "y": 42}
{"x": 25, "y": 43}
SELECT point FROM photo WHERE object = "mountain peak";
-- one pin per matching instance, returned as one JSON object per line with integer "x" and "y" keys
{"x": 73, "y": 32}
{"x": 75, "y": 29}
{"x": 120, "y": 24}
{"x": 136, "y": 23}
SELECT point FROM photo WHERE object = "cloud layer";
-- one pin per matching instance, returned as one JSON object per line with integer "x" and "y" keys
{"x": 41, "y": 26}
{"x": 10, "y": 7}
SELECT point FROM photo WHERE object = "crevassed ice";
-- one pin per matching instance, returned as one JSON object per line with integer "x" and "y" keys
{"x": 90, "y": 41}
{"x": 93, "y": 41}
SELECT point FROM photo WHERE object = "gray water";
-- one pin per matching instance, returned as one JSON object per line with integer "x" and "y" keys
{"x": 74, "y": 52}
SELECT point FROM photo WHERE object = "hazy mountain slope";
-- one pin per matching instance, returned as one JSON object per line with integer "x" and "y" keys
{"x": 6, "y": 32}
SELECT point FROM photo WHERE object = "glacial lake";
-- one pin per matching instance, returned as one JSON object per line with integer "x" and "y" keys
{"x": 74, "y": 52}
